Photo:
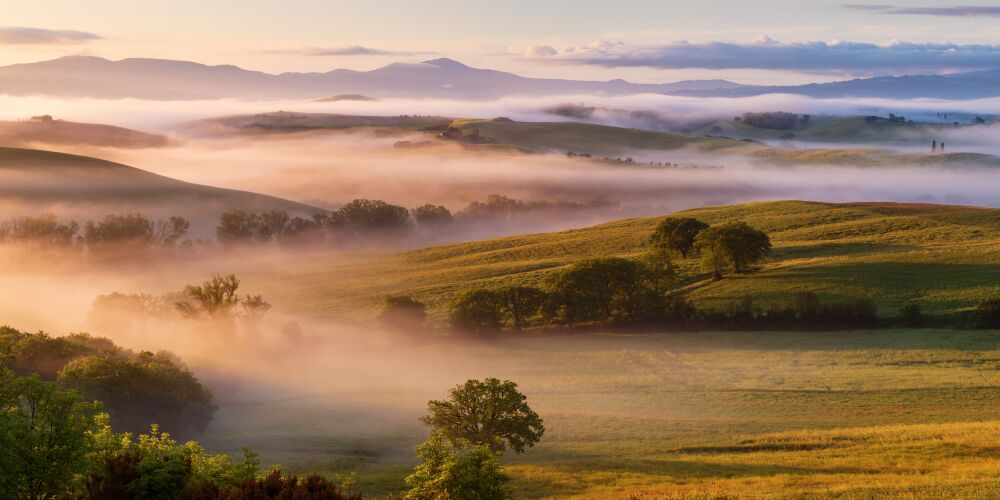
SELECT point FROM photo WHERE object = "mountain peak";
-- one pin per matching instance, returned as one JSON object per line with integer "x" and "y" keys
{"x": 445, "y": 63}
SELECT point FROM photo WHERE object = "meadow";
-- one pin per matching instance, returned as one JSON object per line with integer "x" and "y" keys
{"x": 944, "y": 257}
{"x": 859, "y": 414}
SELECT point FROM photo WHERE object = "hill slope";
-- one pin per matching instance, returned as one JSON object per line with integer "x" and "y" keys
{"x": 34, "y": 181}
{"x": 49, "y": 131}
{"x": 946, "y": 257}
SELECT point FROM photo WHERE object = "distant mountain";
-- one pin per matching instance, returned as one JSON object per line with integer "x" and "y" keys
{"x": 71, "y": 186}
{"x": 84, "y": 76}
{"x": 974, "y": 85}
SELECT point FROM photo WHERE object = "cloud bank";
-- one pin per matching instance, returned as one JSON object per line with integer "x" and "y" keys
{"x": 957, "y": 11}
{"x": 349, "y": 50}
{"x": 19, "y": 35}
{"x": 768, "y": 54}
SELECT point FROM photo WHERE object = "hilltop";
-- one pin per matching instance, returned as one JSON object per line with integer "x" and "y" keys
{"x": 45, "y": 129}
{"x": 35, "y": 181}
{"x": 942, "y": 256}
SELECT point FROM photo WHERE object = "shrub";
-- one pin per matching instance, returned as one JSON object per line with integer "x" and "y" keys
{"x": 149, "y": 388}
{"x": 477, "y": 311}
{"x": 911, "y": 316}
{"x": 404, "y": 313}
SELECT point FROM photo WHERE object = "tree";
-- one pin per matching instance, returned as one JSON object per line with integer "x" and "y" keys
{"x": 520, "y": 303}
{"x": 238, "y": 227}
{"x": 489, "y": 413}
{"x": 433, "y": 217}
{"x": 215, "y": 298}
{"x": 169, "y": 232}
{"x": 45, "y": 438}
{"x": 733, "y": 245}
{"x": 148, "y": 388}
{"x": 132, "y": 229}
{"x": 676, "y": 234}
{"x": 608, "y": 288}
{"x": 477, "y": 311}
{"x": 252, "y": 309}
{"x": 43, "y": 231}
{"x": 373, "y": 216}
{"x": 403, "y": 313}
{"x": 456, "y": 470}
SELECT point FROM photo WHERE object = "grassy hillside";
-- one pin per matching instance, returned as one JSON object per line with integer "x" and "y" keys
{"x": 947, "y": 258}
{"x": 589, "y": 138}
{"x": 867, "y": 157}
{"x": 23, "y": 133}
{"x": 34, "y": 181}
{"x": 284, "y": 122}
{"x": 839, "y": 129}
{"x": 884, "y": 414}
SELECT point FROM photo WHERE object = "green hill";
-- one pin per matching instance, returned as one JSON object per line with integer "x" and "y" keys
{"x": 945, "y": 257}
{"x": 839, "y": 129}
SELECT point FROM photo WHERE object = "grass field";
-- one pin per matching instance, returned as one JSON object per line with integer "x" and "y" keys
{"x": 947, "y": 258}
{"x": 839, "y": 414}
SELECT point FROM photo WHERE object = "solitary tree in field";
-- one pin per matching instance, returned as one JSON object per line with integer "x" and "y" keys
{"x": 733, "y": 245}
{"x": 489, "y": 413}
{"x": 214, "y": 298}
{"x": 676, "y": 234}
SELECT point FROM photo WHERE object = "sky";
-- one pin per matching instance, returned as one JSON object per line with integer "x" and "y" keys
{"x": 761, "y": 42}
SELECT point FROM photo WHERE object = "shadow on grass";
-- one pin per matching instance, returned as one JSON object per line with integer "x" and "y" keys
{"x": 838, "y": 250}
{"x": 574, "y": 473}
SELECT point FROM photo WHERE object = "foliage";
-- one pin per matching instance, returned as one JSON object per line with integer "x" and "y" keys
{"x": 731, "y": 245}
{"x": 119, "y": 229}
{"x": 371, "y": 216}
{"x": 214, "y": 298}
{"x": 274, "y": 485}
{"x": 44, "y": 355}
{"x": 433, "y": 217}
{"x": 774, "y": 120}
{"x": 403, "y": 313}
{"x": 489, "y": 413}
{"x": 606, "y": 289}
{"x": 148, "y": 388}
{"x": 520, "y": 303}
{"x": 44, "y": 231}
{"x": 456, "y": 470}
{"x": 477, "y": 311}
{"x": 45, "y": 437}
{"x": 676, "y": 234}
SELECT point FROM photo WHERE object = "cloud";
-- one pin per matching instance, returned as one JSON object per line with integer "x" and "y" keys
{"x": 766, "y": 53}
{"x": 349, "y": 50}
{"x": 19, "y": 35}
{"x": 957, "y": 11}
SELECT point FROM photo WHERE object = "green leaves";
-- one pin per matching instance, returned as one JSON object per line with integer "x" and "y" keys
{"x": 490, "y": 413}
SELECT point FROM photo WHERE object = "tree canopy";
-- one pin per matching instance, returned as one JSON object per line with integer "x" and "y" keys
{"x": 731, "y": 245}
{"x": 489, "y": 413}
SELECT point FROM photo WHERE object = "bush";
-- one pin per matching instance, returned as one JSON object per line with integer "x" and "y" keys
{"x": 477, "y": 311}
{"x": 147, "y": 389}
{"x": 988, "y": 314}
{"x": 404, "y": 313}
{"x": 911, "y": 316}
{"x": 775, "y": 120}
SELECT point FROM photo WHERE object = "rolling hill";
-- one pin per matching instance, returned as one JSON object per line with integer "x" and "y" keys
{"x": 35, "y": 181}
{"x": 46, "y": 130}
{"x": 945, "y": 257}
